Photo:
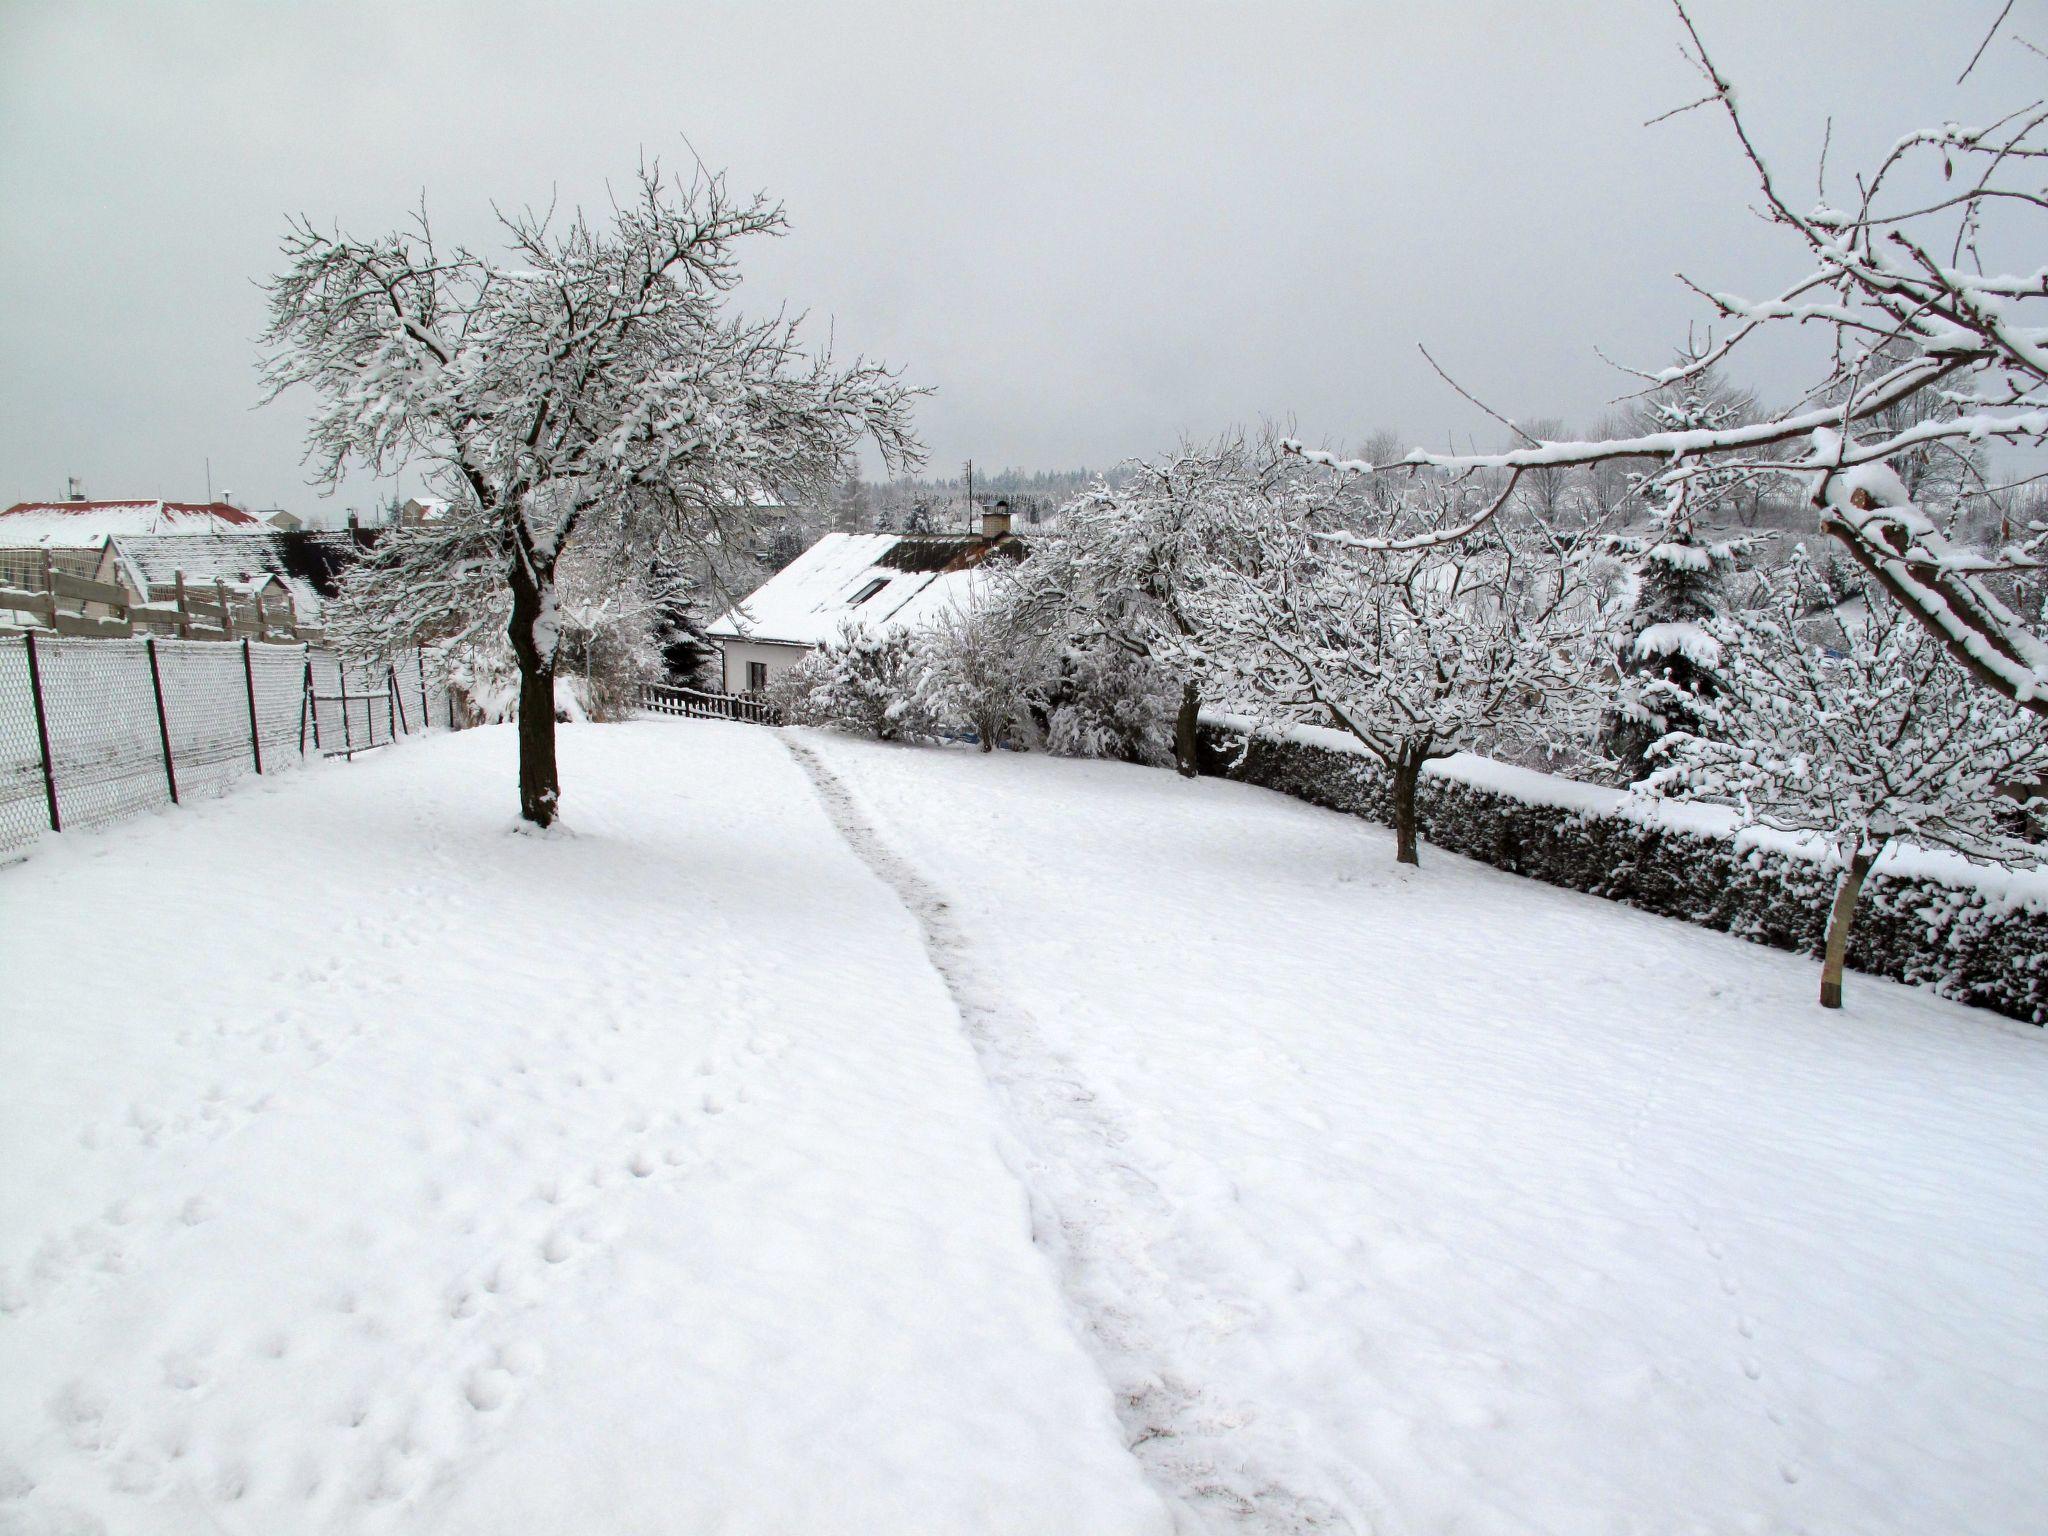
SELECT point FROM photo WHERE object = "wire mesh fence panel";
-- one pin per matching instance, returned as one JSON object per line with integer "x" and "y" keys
{"x": 220, "y": 703}
{"x": 106, "y": 753}
{"x": 24, "y": 805}
{"x": 206, "y": 703}
{"x": 279, "y": 675}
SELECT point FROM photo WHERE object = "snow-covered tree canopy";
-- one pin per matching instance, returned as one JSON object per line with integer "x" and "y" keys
{"x": 1849, "y": 724}
{"x": 1854, "y": 729}
{"x": 590, "y": 375}
{"x": 1927, "y": 284}
{"x": 1325, "y": 611}
{"x": 1128, "y": 561}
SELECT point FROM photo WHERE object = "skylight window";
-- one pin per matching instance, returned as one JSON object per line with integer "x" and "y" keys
{"x": 869, "y": 591}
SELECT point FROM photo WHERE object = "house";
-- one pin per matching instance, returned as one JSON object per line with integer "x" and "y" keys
{"x": 76, "y": 536}
{"x": 287, "y": 576}
{"x": 148, "y": 558}
{"x": 421, "y": 509}
{"x": 874, "y": 581}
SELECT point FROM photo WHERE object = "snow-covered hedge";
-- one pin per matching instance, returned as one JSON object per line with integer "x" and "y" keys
{"x": 1977, "y": 935}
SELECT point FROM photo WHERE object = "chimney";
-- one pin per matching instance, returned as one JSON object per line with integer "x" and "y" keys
{"x": 995, "y": 522}
{"x": 72, "y": 490}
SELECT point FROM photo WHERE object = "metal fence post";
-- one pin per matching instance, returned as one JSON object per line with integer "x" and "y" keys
{"x": 426, "y": 715}
{"x": 255, "y": 730}
{"x": 348, "y": 744}
{"x": 397, "y": 710}
{"x": 35, "y": 688}
{"x": 163, "y": 721}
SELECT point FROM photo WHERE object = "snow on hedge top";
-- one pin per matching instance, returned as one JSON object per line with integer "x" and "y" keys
{"x": 2006, "y": 887}
{"x": 84, "y": 524}
{"x": 875, "y": 581}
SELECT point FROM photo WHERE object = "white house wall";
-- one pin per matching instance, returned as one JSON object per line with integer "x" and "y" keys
{"x": 777, "y": 658}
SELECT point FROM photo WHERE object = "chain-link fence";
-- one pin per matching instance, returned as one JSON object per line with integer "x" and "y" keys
{"x": 94, "y": 730}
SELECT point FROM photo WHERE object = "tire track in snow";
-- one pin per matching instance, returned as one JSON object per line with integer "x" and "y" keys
{"x": 1222, "y": 1464}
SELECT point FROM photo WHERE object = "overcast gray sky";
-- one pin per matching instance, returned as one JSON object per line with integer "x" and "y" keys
{"x": 1089, "y": 228}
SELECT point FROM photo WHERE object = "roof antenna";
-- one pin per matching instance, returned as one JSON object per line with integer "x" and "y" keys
{"x": 209, "y": 482}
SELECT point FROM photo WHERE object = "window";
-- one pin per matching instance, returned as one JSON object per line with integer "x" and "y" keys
{"x": 868, "y": 591}
{"x": 757, "y": 676}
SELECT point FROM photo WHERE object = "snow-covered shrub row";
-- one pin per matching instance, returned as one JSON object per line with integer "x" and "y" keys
{"x": 983, "y": 673}
{"x": 1980, "y": 937}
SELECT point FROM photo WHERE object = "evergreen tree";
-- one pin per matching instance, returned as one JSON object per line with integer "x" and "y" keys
{"x": 1668, "y": 658}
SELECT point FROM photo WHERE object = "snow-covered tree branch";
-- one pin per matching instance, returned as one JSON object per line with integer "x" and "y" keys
{"x": 1924, "y": 283}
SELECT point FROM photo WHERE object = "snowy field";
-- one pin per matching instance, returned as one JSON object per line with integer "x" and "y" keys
{"x": 827, "y": 1137}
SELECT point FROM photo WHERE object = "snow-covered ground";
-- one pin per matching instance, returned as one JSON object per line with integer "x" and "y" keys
{"x": 834, "y": 1137}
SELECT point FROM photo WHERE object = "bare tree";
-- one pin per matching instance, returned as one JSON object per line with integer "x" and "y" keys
{"x": 587, "y": 382}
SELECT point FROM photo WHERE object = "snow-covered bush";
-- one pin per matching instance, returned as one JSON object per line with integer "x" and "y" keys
{"x": 862, "y": 682}
{"x": 1856, "y": 732}
{"x": 1105, "y": 702}
{"x": 981, "y": 669}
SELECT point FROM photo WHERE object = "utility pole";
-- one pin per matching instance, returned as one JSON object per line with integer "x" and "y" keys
{"x": 970, "y": 495}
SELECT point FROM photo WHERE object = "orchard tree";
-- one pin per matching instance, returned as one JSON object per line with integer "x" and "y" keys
{"x": 1128, "y": 560}
{"x": 1927, "y": 282}
{"x": 1859, "y": 733}
{"x": 588, "y": 382}
{"x": 1417, "y": 646}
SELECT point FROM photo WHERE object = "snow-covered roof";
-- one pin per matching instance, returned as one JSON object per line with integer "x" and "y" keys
{"x": 876, "y": 581}
{"x": 87, "y": 524}
{"x": 306, "y": 562}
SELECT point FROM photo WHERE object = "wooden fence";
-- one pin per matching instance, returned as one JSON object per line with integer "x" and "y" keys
{"x": 663, "y": 699}
{"x": 61, "y": 602}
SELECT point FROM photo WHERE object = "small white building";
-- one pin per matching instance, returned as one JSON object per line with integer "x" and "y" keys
{"x": 872, "y": 581}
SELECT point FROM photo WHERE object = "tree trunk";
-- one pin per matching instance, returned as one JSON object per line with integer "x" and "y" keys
{"x": 1844, "y": 914}
{"x": 1184, "y": 739}
{"x": 540, "y": 791}
{"x": 1406, "y": 772}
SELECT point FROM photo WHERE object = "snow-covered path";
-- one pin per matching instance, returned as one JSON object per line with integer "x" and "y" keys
{"x": 829, "y": 1137}
{"x": 366, "y": 1168}
{"x": 1442, "y": 1201}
